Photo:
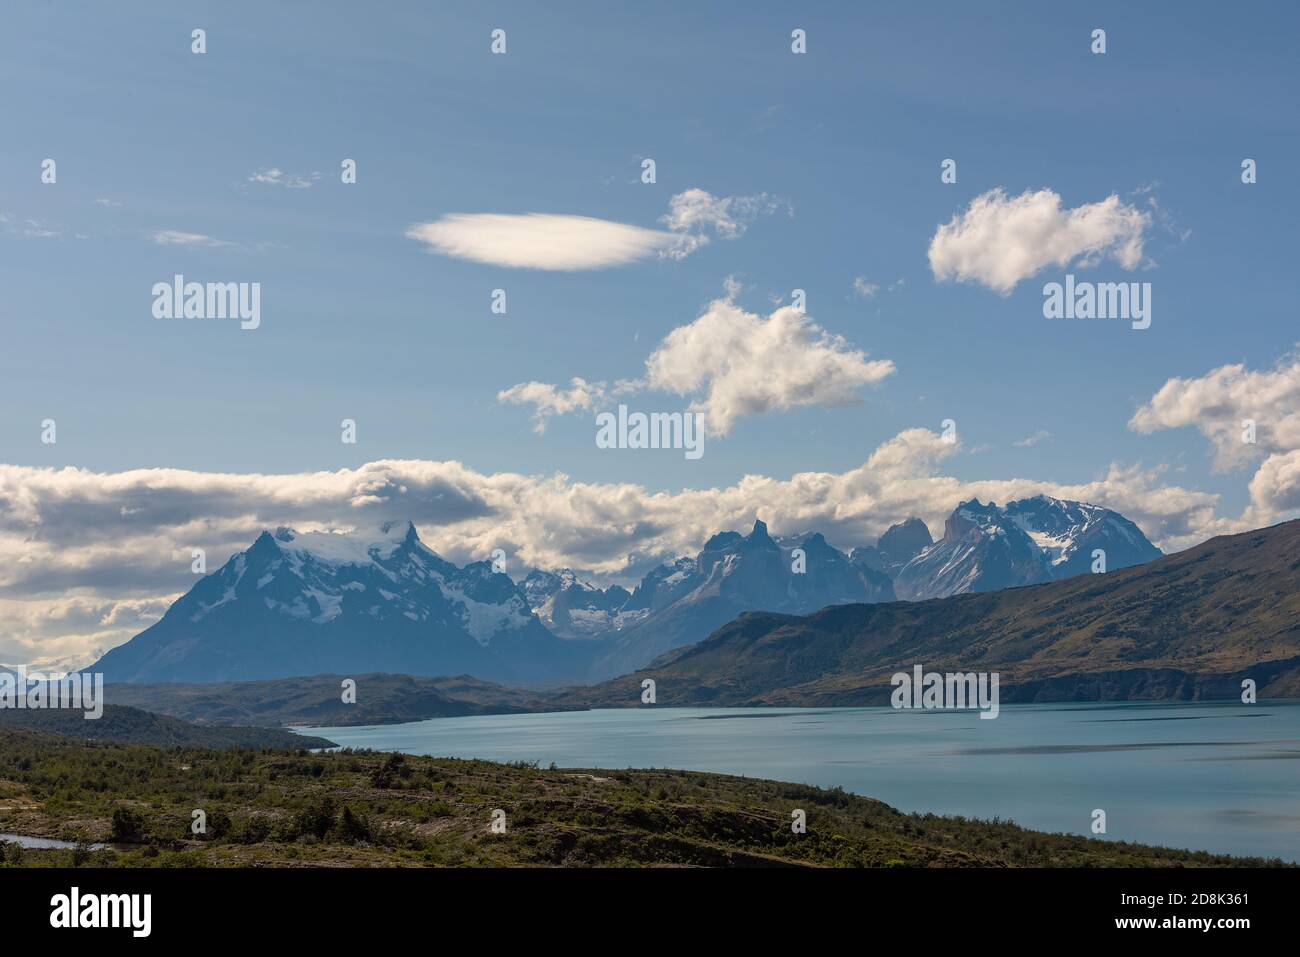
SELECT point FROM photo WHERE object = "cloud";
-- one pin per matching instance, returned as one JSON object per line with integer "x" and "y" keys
{"x": 730, "y": 363}
{"x": 107, "y": 203}
{"x": 173, "y": 237}
{"x": 89, "y": 558}
{"x": 739, "y": 363}
{"x": 863, "y": 289}
{"x": 566, "y": 242}
{"x": 726, "y": 216}
{"x": 548, "y": 400}
{"x": 1029, "y": 441}
{"x": 540, "y": 240}
{"x": 999, "y": 240}
{"x": 274, "y": 176}
{"x": 63, "y": 633}
{"x": 1218, "y": 404}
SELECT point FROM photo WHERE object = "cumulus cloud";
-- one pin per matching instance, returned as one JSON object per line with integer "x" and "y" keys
{"x": 730, "y": 363}
{"x": 1029, "y": 441}
{"x": 1000, "y": 240}
{"x": 739, "y": 363}
{"x": 548, "y": 400}
{"x": 1222, "y": 405}
{"x": 1218, "y": 402}
{"x": 565, "y": 242}
{"x": 88, "y": 558}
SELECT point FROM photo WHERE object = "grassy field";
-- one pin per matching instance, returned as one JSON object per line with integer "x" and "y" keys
{"x": 298, "y": 808}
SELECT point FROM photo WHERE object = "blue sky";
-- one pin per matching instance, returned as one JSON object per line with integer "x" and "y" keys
{"x": 359, "y": 321}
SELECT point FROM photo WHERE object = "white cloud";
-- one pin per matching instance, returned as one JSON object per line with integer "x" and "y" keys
{"x": 999, "y": 240}
{"x": 730, "y": 363}
{"x": 739, "y": 363}
{"x": 565, "y": 242}
{"x": 174, "y": 237}
{"x": 541, "y": 240}
{"x": 548, "y": 400}
{"x": 1219, "y": 401}
{"x": 696, "y": 210}
{"x": 1218, "y": 405}
{"x": 107, "y": 203}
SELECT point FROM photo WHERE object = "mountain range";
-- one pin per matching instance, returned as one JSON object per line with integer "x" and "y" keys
{"x": 1191, "y": 625}
{"x": 381, "y": 601}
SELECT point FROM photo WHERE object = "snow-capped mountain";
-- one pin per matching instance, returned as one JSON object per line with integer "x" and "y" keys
{"x": 687, "y": 599}
{"x": 322, "y": 602}
{"x": 1069, "y": 532}
{"x": 982, "y": 549}
{"x": 319, "y": 602}
{"x": 1033, "y": 540}
{"x": 571, "y": 608}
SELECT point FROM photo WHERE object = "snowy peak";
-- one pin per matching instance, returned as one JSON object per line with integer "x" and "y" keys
{"x": 1032, "y": 540}
{"x": 981, "y": 550}
{"x": 382, "y": 572}
{"x": 361, "y": 547}
{"x": 663, "y": 585}
{"x": 1070, "y": 532}
{"x": 572, "y": 608}
{"x": 373, "y": 599}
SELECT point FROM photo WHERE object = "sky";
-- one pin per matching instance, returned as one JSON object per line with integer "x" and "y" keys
{"x": 523, "y": 172}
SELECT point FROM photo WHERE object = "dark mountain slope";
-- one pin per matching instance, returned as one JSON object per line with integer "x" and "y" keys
{"x": 123, "y": 725}
{"x": 317, "y": 700}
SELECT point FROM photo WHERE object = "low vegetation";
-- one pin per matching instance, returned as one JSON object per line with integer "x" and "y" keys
{"x": 364, "y": 808}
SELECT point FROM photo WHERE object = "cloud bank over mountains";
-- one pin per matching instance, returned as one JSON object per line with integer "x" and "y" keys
{"x": 86, "y": 558}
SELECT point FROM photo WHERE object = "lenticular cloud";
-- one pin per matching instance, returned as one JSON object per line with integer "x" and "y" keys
{"x": 542, "y": 241}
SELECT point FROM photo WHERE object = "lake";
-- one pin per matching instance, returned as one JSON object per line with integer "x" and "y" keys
{"x": 1219, "y": 776}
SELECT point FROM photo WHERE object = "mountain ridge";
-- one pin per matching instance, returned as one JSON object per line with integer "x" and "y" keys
{"x": 1203, "y": 619}
{"x": 379, "y": 600}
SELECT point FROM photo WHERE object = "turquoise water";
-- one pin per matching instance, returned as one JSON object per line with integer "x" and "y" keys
{"x": 1221, "y": 777}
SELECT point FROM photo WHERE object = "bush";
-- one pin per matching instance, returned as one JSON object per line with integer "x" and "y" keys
{"x": 316, "y": 819}
{"x": 386, "y": 775}
{"x": 355, "y": 827}
{"x": 127, "y": 826}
